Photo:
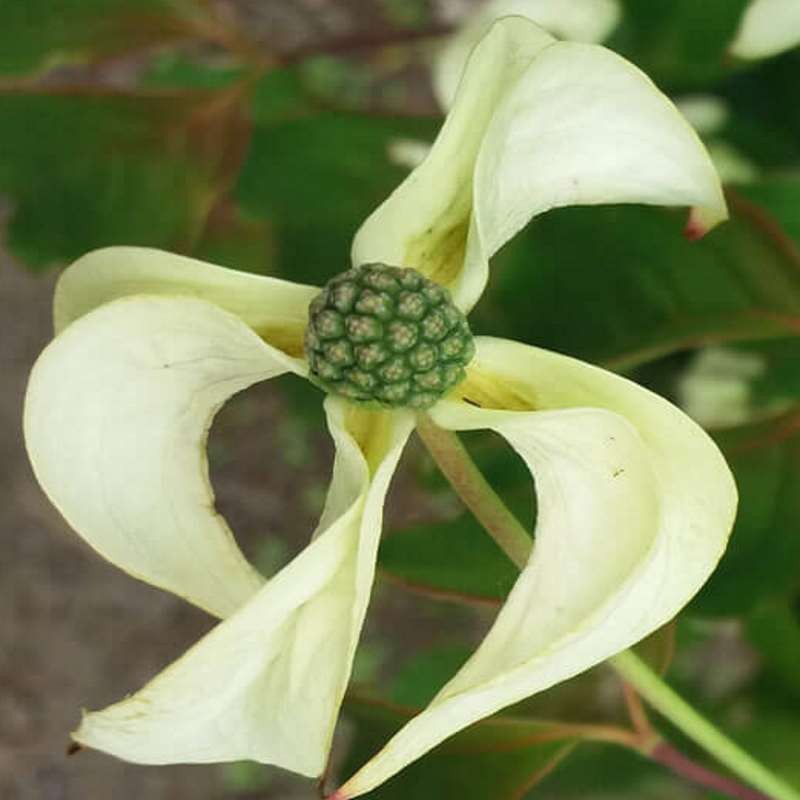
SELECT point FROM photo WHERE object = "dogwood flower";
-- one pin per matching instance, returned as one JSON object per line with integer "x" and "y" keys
{"x": 635, "y": 503}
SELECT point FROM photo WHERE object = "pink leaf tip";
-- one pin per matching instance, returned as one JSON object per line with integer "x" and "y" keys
{"x": 695, "y": 227}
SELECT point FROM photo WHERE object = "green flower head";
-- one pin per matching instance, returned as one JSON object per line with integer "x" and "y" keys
{"x": 386, "y": 337}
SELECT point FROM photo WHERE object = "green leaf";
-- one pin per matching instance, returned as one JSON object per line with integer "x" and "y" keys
{"x": 278, "y": 97}
{"x": 766, "y": 110}
{"x": 420, "y": 678}
{"x": 781, "y": 198}
{"x": 621, "y": 286}
{"x": 86, "y": 169}
{"x": 680, "y": 43}
{"x": 599, "y": 772}
{"x": 764, "y": 551}
{"x": 37, "y": 33}
{"x": 454, "y": 559}
{"x": 494, "y": 760}
{"x": 242, "y": 777}
{"x": 175, "y": 70}
{"x": 316, "y": 178}
{"x": 775, "y": 630}
{"x": 779, "y": 384}
{"x": 338, "y": 83}
{"x": 231, "y": 239}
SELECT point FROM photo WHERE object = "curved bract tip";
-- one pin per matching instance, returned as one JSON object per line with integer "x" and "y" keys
{"x": 701, "y": 221}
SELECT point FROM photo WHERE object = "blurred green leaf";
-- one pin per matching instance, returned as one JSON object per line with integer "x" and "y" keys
{"x": 494, "y": 760}
{"x": 242, "y": 777}
{"x": 775, "y": 630}
{"x": 316, "y": 178}
{"x": 280, "y": 96}
{"x": 175, "y": 70}
{"x": 231, "y": 239}
{"x": 419, "y": 679}
{"x": 681, "y": 44}
{"x": 455, "y": 559}
{"x": 765, "y": 101}
{"x": 764, "y": 551}
{"x": 37, "y": 33}
{"x": 338, "y": 82}
{"x": 86, "y": 169}
{"x": 781, "y": 198}
{"x": 780, "y": 379}
{"x": 599, "y": 772}
{"x": 620, "y": 285}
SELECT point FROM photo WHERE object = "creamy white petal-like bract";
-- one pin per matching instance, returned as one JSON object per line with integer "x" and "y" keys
{"x": 635, "y": 506}
{"x": 573, "y": 20}
{"x": 537, "y": 124}
{"x": 768, "y": 27}
{"x": 116, "y": 419}
{"x": 277, "y": 310}
{"x": 266, "y": 684}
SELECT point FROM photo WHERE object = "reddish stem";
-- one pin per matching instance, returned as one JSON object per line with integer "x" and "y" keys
{"x": 666, "y": 755}
{"x": 637, "y": 712}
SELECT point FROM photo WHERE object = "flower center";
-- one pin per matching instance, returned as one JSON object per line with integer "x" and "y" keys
{"x": 386, "y": 337}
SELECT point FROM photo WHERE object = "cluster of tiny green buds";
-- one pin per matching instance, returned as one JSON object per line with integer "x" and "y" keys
{"x": 386, "y": 337}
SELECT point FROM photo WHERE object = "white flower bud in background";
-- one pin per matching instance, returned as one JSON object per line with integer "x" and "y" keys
{"x": 408, "y": 153}
{"x": 717, "y": 388}
{"x": 768, "y": 27}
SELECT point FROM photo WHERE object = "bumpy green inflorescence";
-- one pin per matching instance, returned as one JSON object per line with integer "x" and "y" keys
{"x": 386, "y": 337}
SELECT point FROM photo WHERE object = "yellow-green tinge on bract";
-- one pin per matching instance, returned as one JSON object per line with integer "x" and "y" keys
{"x": 635, "y": 501}
{"x": 768, "y": 27}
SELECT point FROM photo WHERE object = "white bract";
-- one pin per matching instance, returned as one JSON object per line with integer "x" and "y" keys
{"x": 635, "y": 501}
{"x": 768, "y": 27}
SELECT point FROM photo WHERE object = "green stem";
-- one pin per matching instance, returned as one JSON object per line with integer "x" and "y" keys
{"x": 469, "y": 483}
{"x": 474, "y": 490}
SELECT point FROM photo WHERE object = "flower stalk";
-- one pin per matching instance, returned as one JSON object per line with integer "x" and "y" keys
{"x": 474, "y": 490}
{"x": 489, "y": 509}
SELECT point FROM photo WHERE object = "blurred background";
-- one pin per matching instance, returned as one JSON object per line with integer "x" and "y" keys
{"x": 259, "y": 134}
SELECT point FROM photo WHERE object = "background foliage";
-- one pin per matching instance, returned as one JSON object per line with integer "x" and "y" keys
{"x": 260, "y": 138}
